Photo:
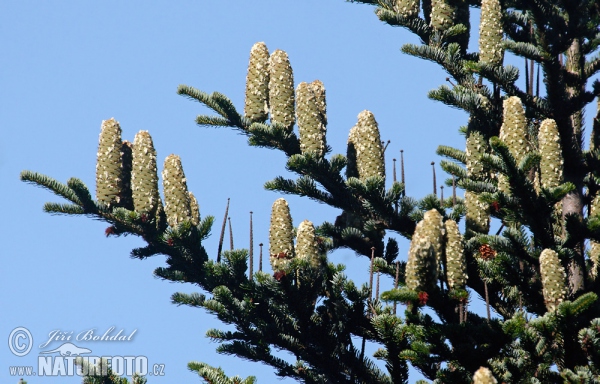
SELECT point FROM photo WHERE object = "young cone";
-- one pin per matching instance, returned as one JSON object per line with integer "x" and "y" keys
{"x": 484, "y": 376}
{"x": 478, "y": 216}
{"x": 310, "y": 121}
{"x": 407, "y": 8}
{"x": 443, "y": 14}
{"x": 281, "y": 90}
{"x": 456, "y": 265}
{"x": 177, "y": 198}
{"x": 144, "y": 177}
{"x": 256, "y": 106}
{"x": 367, "y": 142}
{"x": 109, "y": 166}
{"x": 513, "y": 133}
{"x": 551, "y": 163}
{"x": 306, "y": 243}
{"x": 433, "y": 230}
{"x": 553, "y": 279}
{"x": 319, "y": 90}
{"x": 476, "y": 147}
{"x": 421, "y": 267}
{"x": 195, "y": 208}
{"x": 490, "y": 33}
{"x": 281, "y": 235}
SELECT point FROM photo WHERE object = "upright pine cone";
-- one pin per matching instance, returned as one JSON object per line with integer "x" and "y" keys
{"x": 256, "y": 106}
{"x": 281, "y": 90}
{"x": 144, "y": 176}
{"x": 478, "y": 215}
{"x": 177, "y": 198}
{"x": 195, "y": 208}
{"x": 311, "y": 125}
{"x": 456, "y": 265}
{"x": 553, "y": 279}
{"x": 513, "y": 133}
{"x": 551, "y": 163}
{"x": 484, "y": 376}
{"x": 281, "y": 235}
{"x": 490, "y": 33}
{"x": 443, "y": 14}
{"x": 594, "y": 245}
{"x": 126, "y": 159}
{"x": 476, "y": 147}
{"x": 351, "y": 167}
{"x": 319, "y": 89}
{"x": 307, "y": 246}
{"x": 433, "y": 230}
{"x": 407, "y": 8}
{"x": 109, "y": 166}
{"x": 369, "y": 152}
{"x": 421, "y": 267}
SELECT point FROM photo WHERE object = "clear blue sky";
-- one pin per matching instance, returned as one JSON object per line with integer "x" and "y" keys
{"x": 68, "y": 65}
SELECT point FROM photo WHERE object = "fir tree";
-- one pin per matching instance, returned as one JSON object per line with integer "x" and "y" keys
{"x": 524, "y": 157}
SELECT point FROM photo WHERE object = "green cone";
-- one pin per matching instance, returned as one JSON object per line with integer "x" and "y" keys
{"x": 433, "y": 230}
{"x": 256, "y": 106}
{"x": 490, "y": 33}
{"x": 144, "y": 176}
{"x": 443, "y": 14}
{"x": 351, "y": 167}
{"x": 195, "y": 209}
{"x": 478, "y": 215}
{"x": 310, "y": 121}
{"x": 476, "y": 147}
{"x": 177, "y": 198}
{"x": 307, "y": 246}
{"x": 127, "y": 160}
{"x": 484, "y": 376}
{"x": 553, "y": 279}
{"x": 456, "y": 265}
{"x": 367, "y": 142}
{"x": 109, "y": 166}
{"x": 551, "y": 163}
{"x": 281, "y": 235}
{"x": 421, "y": 267}
{"x": 281, "y": 89}
{"x": 407, "y": 8}
{"x": 319, "y": 90}
{"x": 513, "y": 133}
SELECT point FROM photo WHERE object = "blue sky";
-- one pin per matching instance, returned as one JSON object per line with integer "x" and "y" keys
{"x": 68, "y": 65}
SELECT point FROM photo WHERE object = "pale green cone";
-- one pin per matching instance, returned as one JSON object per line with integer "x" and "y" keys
{"x": 307, "y": 246}
{"x": 319, "y": 89}
{"x": 443, "y": 14}
{"x": 407, "y": 8}
{"x": 476, "y": 146}
{"x": 490, "y": 33}
{"x": 456, "y": 265}
{"x": 551, "y": 163}
{"x": 177, "y": 198}
{"x": 513, "y": 133}
{"x": 478, "y": 214}
{"x": 421, "y": 267}
{"x": 595, "y": 246}
{"x": 127, "y": 160}
{"x": 351, "y": 167}
{"x": 484, "y": 376}
{"x": 256, "y": 106}
{"x": 281, "y": 90}
{"x": 144, "y": 176}
{"x": 369, "y": 152}
{"x": 433, "y": 230}
{"x": 195, "y": 209}
{"x": 109, "y": 166}
{"x": 281, "y": 235}
{"x": 553, "y": 279}
{"x": 310, "y": 122}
